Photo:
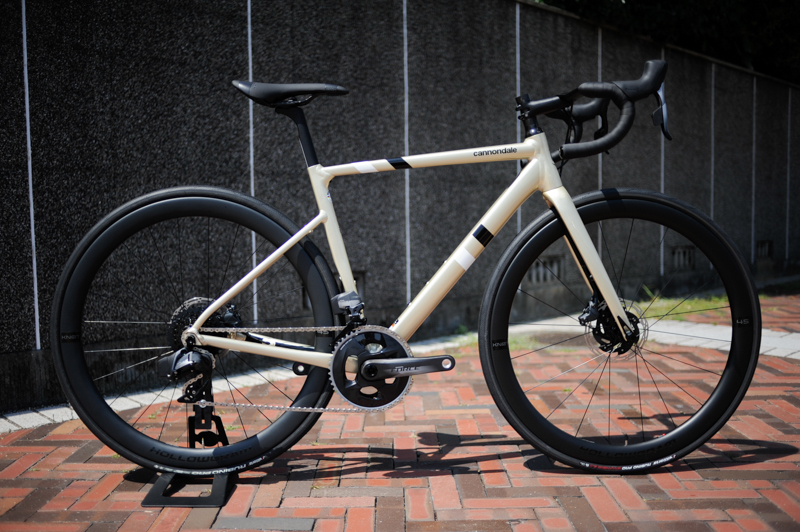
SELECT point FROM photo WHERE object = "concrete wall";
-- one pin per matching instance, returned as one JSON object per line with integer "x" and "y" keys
{"x": 128, "y": 97}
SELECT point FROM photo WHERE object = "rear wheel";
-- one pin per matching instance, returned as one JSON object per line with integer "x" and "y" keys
{"x": 146, "y": 272}
{"x": 594, "y": 402}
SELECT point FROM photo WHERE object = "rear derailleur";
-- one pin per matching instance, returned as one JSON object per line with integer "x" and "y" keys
{"x": 197, "y": 366}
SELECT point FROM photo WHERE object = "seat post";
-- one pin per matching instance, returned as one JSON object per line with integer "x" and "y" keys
{"x": 299, "y": 118}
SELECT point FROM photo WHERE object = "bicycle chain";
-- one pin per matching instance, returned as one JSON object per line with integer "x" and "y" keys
{"x": 203, "y": 403}
{"x": 199, "y": 376}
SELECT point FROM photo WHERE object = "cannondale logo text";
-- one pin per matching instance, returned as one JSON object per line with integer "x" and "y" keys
{"x": 494, "y": 152}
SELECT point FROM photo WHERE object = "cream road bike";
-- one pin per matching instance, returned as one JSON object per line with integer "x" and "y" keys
{"x": 199, "y": 331}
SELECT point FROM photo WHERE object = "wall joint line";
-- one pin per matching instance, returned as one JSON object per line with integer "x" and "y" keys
{"x": 30, "y": 178}
{"x": 407, "y": 174}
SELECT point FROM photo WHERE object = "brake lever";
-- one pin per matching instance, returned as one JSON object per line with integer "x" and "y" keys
{"x": 660, "y": 114}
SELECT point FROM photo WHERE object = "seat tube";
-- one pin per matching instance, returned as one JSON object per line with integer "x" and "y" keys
{"x": 320, "y": 179}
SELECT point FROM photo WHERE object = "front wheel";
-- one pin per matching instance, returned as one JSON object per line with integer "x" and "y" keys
{"x": 593, "y": 402}
{"x": 144, "y": 274}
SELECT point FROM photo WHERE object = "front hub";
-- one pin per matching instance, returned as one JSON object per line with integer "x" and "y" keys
{"x": 606, "y": 335}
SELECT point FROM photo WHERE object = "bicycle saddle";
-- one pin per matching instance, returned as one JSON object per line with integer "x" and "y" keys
{"x": 286, "y": 94}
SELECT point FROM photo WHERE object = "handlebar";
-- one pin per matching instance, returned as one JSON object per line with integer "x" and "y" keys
{"x": 622, "y": 93}
{"x": 627, "y": 112}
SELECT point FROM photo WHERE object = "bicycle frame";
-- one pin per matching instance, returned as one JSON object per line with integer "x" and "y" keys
{"x": 540, "y": 173}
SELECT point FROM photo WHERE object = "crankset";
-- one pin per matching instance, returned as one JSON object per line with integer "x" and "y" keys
{"x": 384, "y": 364}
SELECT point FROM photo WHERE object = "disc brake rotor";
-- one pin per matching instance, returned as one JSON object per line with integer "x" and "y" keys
{"x": 602, "y": 335}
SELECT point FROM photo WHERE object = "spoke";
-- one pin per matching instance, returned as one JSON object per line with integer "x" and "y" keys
{"x": 263, "y": 377}
{"x": 608, "y": 438}
{"x": 135, "y": 295}
{"x": 99, "y": 296}
{"x": 145, "y": 264}
{"x": 649, "y": 267}
{"x": 537, "y": 324}
{"x": 624, "y": 258}
{"x": 682, "y": 362}
{"x": 252, "y": 257}
{"x": 125, "y": 389}
{"x": 570, "y": 369}
{"x": 592, "y": 397}
{"x": 670, "y": 380}
{"x": 133, "y": 366}
{"x": 111, "y": 322}
{"x": 119, "y": 349}
{"x": 223, "y": 282}
{"x": 690, "y": 336}
{"x": 660, "y": 291}
{"x": 164, "y": 265}
{"x": 639, "y": 353}
{"x": 639, "y": 390}
{"x": 544, "y": 303}
{"x": 233, "y": 399}
{"x": 685, "y": 312}
{"x": 169, "y": 404}
{"x": 180, "y": 259}
{"x": 560, "y": 281}
{"x": 682, "y": 301}
{"x": 208, "y": 257}
{"x": 273, "y": 272}
{"x": 608, "y": 251}
{"x": 575, "y": 388}
{"x": 158, "y": 396}
{"x": 270, "y": 297}
{"x": 545, "y": 347}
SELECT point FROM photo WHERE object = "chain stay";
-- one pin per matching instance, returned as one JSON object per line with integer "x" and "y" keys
{"x": 269, "y": 329}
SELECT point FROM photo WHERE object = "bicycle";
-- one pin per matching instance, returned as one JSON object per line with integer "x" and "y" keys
{"x": 150, "y": 299}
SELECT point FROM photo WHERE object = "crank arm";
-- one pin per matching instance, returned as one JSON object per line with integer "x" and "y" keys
{"x": 388, "y": 368}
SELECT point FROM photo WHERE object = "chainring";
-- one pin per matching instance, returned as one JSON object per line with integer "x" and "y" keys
{"x": 367, "y": 343}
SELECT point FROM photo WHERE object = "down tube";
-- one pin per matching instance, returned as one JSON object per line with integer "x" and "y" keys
{"x": 468, "y": 250}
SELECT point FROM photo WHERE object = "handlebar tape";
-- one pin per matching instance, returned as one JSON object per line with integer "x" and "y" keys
{"x": 586, "y": 111}
{"x": 652, "y": 78}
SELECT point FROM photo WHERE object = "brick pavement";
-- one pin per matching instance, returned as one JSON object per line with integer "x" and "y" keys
{"x": 444, "y": 460}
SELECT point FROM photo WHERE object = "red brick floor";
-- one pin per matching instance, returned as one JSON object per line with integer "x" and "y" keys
{"x": 781, "y": 313}
{"x": 444, "y": 460}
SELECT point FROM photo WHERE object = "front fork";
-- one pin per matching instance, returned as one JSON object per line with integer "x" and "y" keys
{"x": 586, "y": 256}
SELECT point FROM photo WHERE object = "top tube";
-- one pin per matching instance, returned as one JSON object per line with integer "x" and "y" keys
{"x": 486, "y": 154}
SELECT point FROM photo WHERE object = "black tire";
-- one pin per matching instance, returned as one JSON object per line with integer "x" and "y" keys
{"x": 112, "y": 317}
{"x": 621, "y": 412}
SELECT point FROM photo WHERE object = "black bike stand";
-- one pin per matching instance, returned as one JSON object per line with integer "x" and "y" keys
{"x": 203, "y": 418}
{"x": 220, "y": 488}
